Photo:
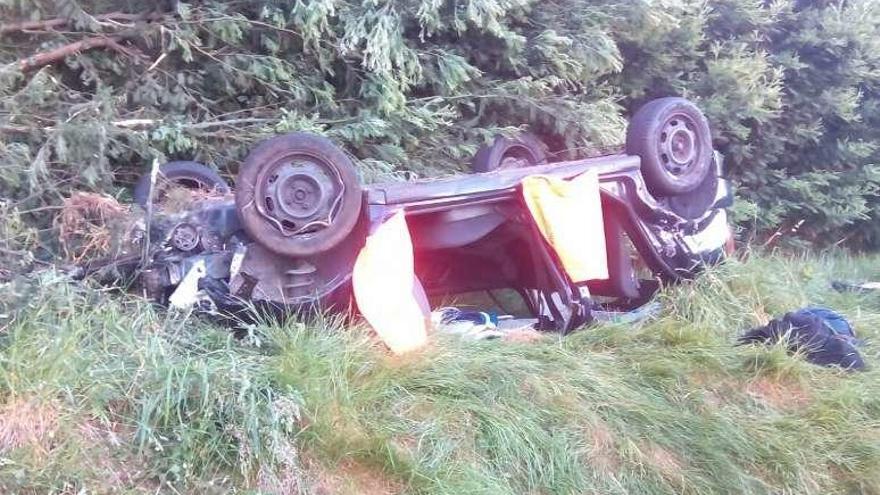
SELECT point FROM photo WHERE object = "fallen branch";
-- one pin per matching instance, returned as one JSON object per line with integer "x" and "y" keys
{"x": 56, "y": 23}
{"x": 20, "y": 129}
{"x": 135, "y": 123}
{"x": 148, "y": 123}
{"x": 229, "y": 122}
{"x": 58, "y": 54}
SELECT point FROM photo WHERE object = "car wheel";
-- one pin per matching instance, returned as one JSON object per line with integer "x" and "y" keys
{"x": 695, "y": 204}
{"x": 672, "y": 138}
{"x": 298, "y": 195}
{"x": 189, "y": 175}
{"x": 525, "y": 150}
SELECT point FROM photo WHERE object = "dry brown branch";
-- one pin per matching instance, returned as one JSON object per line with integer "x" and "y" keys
{"x": 58, "y": 54}
{"x": 142, "y": 124}
{"x": 56, "y": 23}
{"x": 17, "y": 129}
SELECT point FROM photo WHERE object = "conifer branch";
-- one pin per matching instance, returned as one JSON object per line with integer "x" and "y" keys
{"x": 50, "y": 24}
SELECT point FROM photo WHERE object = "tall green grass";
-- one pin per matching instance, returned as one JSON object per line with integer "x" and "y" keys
{"x": 104, "y": 394}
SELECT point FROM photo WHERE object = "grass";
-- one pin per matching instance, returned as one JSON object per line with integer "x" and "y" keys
{"x": 104, "y": 394}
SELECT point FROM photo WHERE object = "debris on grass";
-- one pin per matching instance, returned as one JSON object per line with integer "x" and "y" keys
{"x": 664, "y": 461}
{"x": 91, "y": 225}
{"x": 176, "y": 198}
{"x": 353, "y": 478}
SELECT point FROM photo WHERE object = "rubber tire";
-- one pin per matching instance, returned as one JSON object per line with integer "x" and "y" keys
{"x": 271, "y": 151}
{"x": 489, "y": 157}
{"x": 180, "y": 170}
{"x": 642, "y": 140}
{"x": 695, "y": 204}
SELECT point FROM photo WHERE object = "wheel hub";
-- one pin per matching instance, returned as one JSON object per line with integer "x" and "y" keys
{"x": 185, "y": 237}
{"x": 678, "y": 144}
{"x": 299, "y": 194}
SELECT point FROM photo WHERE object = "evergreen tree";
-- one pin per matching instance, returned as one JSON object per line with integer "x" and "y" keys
{"x": 413, "y": 87}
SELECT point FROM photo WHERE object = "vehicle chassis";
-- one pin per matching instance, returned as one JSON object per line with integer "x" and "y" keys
{"x": 469, "y": 233}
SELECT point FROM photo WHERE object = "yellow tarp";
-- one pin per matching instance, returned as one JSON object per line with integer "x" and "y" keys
{"x": 569, "y": 215}
{"x": 386, "y": 289}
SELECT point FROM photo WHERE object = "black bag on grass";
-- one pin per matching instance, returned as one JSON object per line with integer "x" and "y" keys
{"x": 824, "y": 337}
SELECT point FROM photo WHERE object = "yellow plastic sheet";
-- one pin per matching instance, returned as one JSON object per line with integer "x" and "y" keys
{"x": 386, "y": 289}
{"x": 569, "y": 216}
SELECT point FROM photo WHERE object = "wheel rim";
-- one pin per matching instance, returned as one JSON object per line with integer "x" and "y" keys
{"x": 678, "y": 145}
{"x": 299, "y": 194}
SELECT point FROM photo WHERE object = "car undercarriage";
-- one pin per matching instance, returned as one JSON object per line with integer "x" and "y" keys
{"x": 289, "y": 234}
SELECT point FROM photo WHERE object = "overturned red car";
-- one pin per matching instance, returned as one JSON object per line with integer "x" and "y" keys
{"x": 289, "y": 234}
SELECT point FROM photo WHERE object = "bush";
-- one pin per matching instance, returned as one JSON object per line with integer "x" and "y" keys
{"x": 791, "y": 88}
{"x": 414, "y": 87}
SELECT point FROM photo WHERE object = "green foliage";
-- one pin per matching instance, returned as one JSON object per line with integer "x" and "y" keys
{"x": 791, "y": 89}
{"x": 413, "y": 87}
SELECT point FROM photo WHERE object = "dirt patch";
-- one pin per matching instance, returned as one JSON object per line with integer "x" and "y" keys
{"x": 279, "y": 482}
{"x": 38, "y": 425}
{"x": 784, "y": 395}
{"x": 713, "y": 399}
{"x": 603, "y": 454}
{"x": 28, "y": 422}
{"x": 667, "y": 463}
{"x": 287, "y": 477}
{"x": 715, "y": 389}
{"x": 352, "y": 478}
{"x": 106, "y": 447}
